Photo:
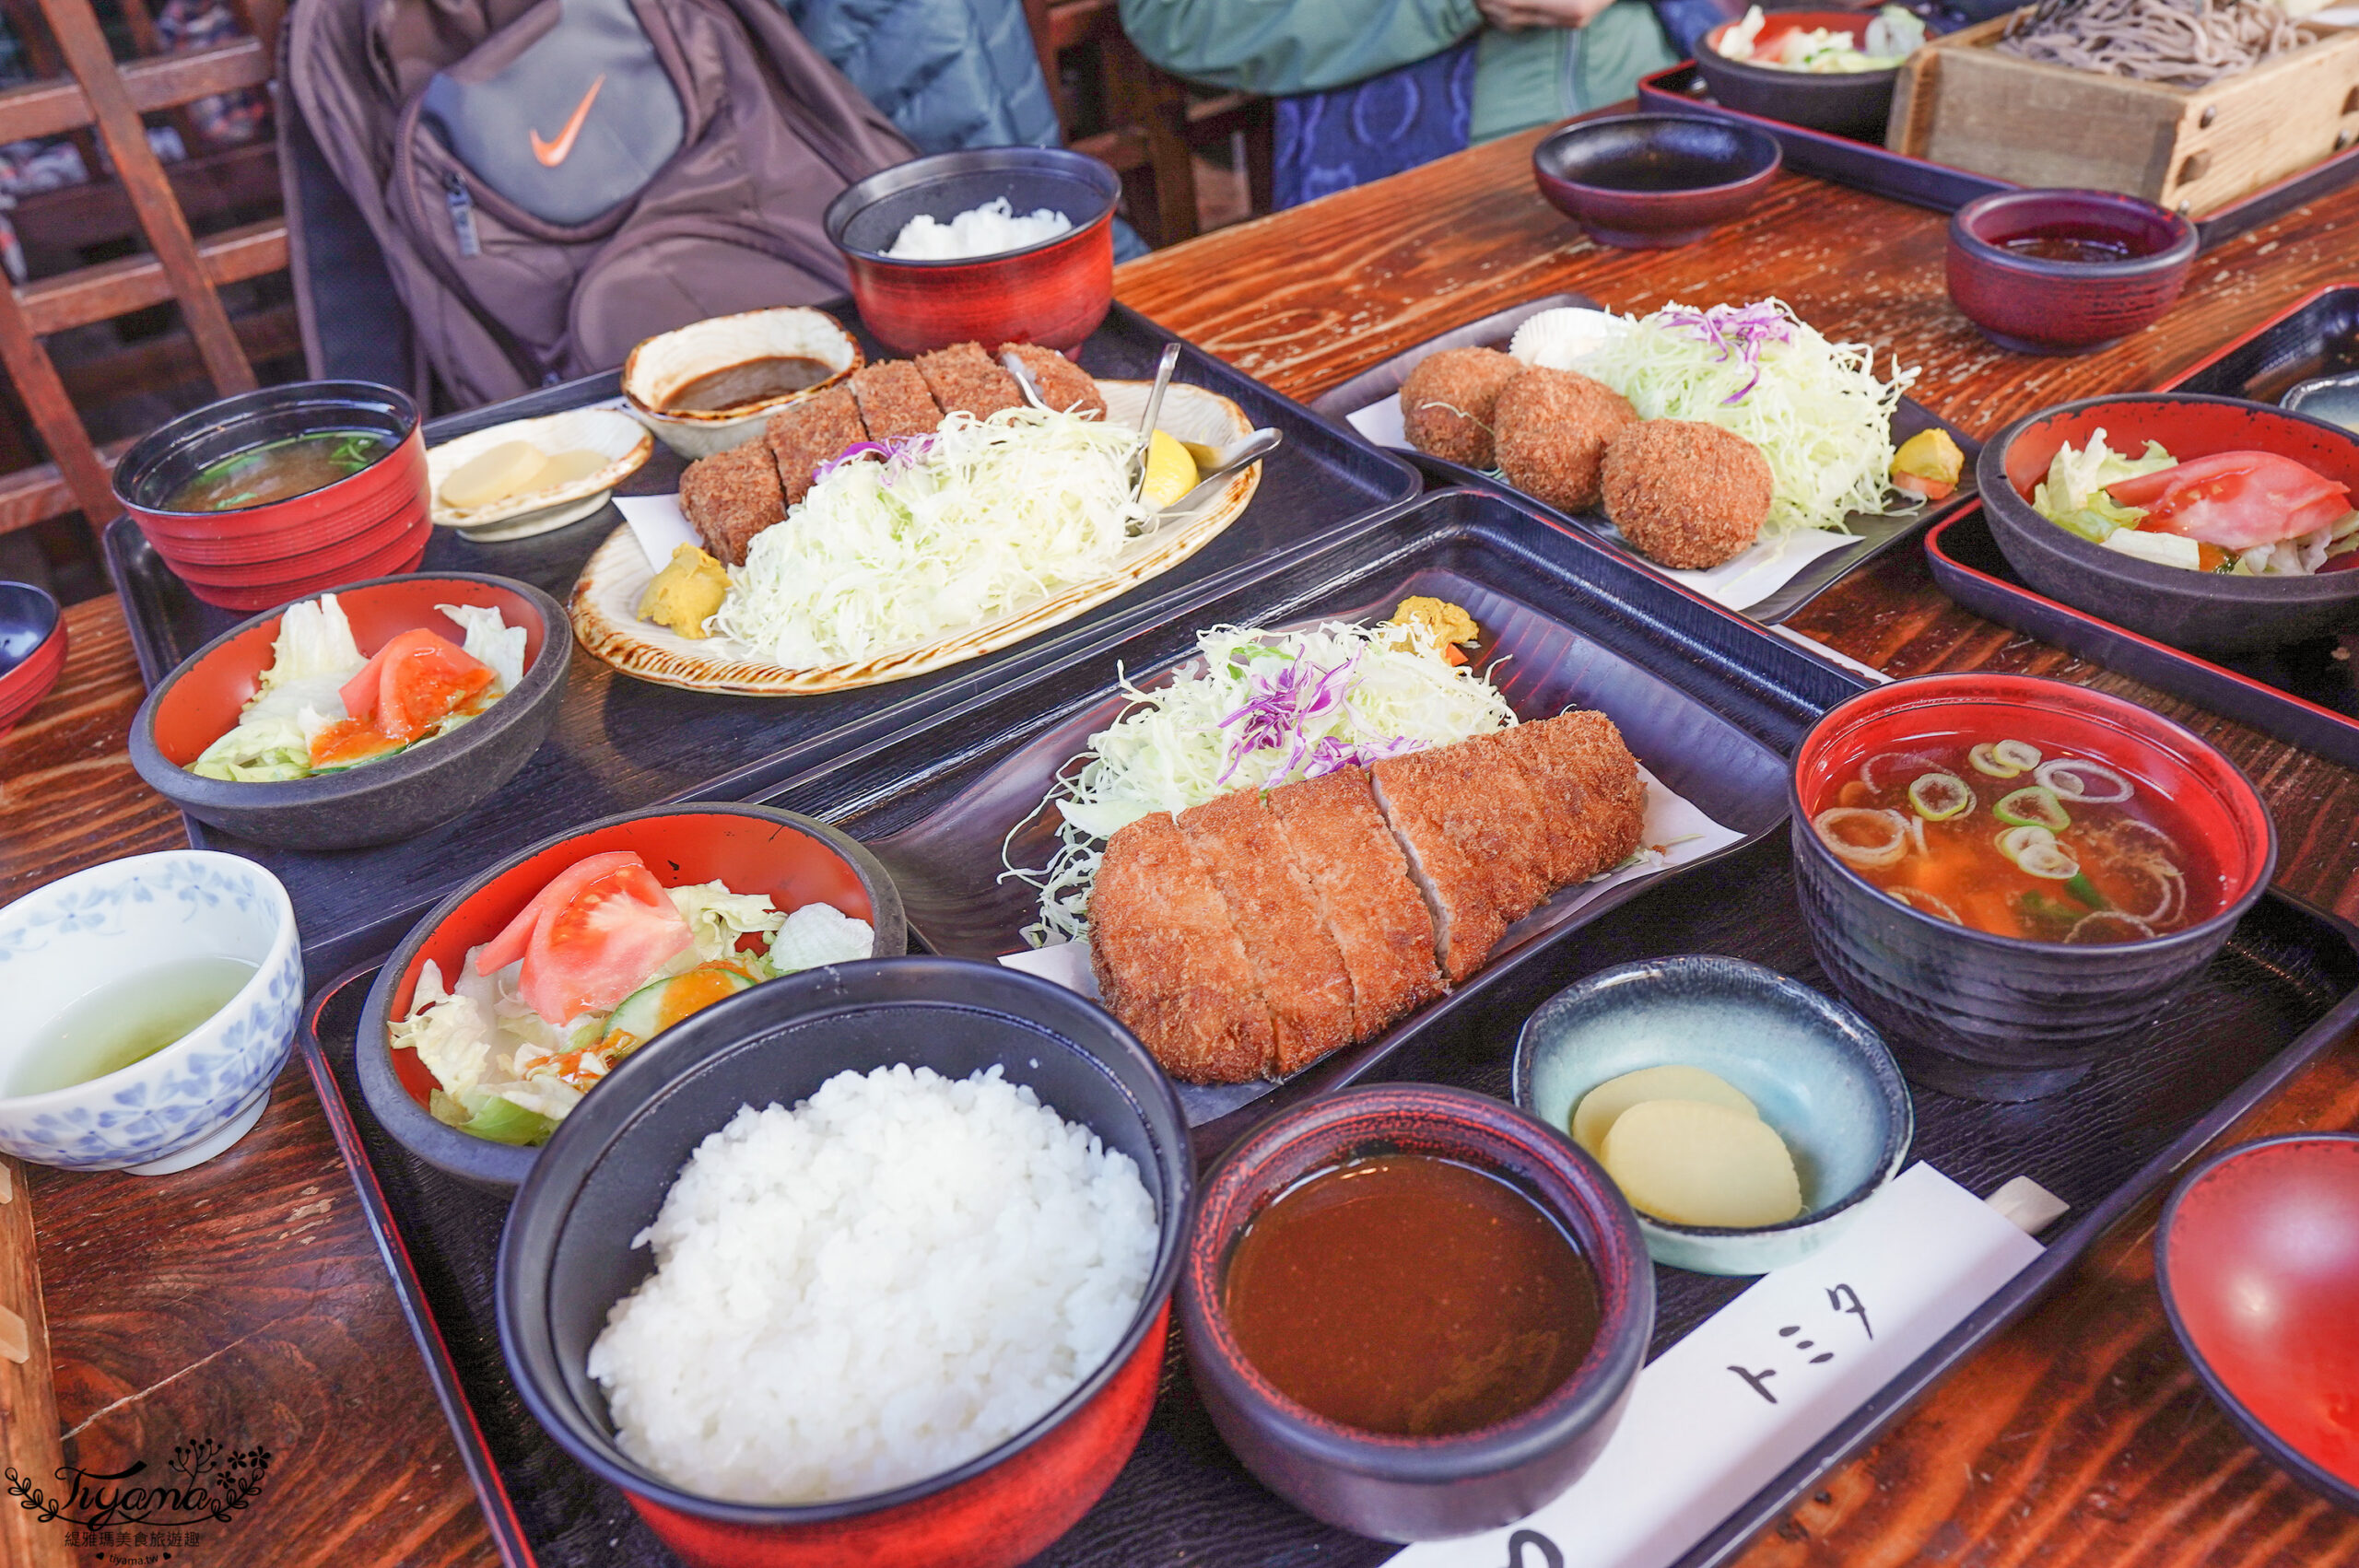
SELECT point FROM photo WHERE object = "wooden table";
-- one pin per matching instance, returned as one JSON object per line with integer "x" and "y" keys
{"x": 243, "y": 1300}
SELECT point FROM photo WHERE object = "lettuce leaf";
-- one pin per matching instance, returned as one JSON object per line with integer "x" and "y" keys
{"x": 2074, "y": 495}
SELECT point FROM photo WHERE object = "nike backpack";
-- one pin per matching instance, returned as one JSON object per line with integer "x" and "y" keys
{"x": 553, "y": 180}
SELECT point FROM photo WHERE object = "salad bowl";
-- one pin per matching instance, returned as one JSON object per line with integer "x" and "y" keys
{"x": 794, "y": 859}
{"x": 1848, "y": 103}
{"x": 2206, "y": 612}
{"x": 395, "y": 798}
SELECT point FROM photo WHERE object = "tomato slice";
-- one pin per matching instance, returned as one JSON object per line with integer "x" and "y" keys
{"x": 414, "y": 680}
{"x": 600, "y": 944}
{"x": 2238, "y": 500}
{"x": 510, "y": 944}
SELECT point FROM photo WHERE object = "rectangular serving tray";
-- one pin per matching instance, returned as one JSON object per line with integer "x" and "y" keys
{"x": 620, "y": 744}
{"x": 1876, "y": 535}
{"x": 2305, "y": 694}
{"x": 1871, "y": 166}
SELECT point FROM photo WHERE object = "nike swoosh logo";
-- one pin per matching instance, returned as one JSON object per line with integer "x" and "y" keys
{"x": 551, "y": 154}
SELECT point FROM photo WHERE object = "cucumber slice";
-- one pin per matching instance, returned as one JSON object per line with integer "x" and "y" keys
{"x": 502, "y": 1120}
{"x": 648, "y": 1011}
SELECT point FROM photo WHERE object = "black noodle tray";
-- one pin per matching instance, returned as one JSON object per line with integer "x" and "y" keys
{"x": 2277, "y": 995}
{"x": 1876, "y": 533}
{"x": 1873, "y": 167}
{"x": 620, "y": 744}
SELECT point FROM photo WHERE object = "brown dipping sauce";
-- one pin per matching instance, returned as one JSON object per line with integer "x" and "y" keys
{"x": 1410, "y": 1295}
{"x": 2085, "y": 250}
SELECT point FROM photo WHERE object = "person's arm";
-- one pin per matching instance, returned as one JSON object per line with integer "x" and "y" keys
{"x": 1289, "y": 46}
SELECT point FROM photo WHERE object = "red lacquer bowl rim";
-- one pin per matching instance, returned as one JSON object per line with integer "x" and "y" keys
{"x": 864, "y": 193}
{"x": 2031, "y": 692}
{"x": 151, "y": 447}
{"x": 2309, "y": 1470}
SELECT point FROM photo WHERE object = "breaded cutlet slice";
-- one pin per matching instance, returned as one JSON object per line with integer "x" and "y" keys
{"x": 1303, "y": 980}
{"x": 894, "y": 401}
{"x": 807, "y": 433}
{"x": 1169, "y": 962}
{"x": 1338, "y": 841}
{"x": 1415, "y": 803}
{"x": 1486, "y": 806}
{"x": 964, "y": 381}
{"x": 731, "y": 497}
{"x": 1589, "y": 784}
{"x": 1064, "y": 384}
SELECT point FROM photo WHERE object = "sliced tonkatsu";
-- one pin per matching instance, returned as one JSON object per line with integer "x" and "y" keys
{"x": 1303, "y": 980}
{"x": 1415, "y": 802}
{"x": 731, "y": 497}
{"x": 1487, "y": 808}
{"x": 964, "y": 381}
{"x": 1585, "y": 773}
{"x": 1337, "y": 840}
{"x": 894, "y": 401}
{"x": 803, "y": 434}
{"x": 1169, "y": 961}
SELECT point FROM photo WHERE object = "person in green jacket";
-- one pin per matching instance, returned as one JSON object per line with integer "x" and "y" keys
{"x": 1536, "y": 61}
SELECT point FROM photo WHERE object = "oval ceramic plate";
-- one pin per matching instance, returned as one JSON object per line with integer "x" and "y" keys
{"x": 609, "y": 432}
{"x": 605, "y": 598}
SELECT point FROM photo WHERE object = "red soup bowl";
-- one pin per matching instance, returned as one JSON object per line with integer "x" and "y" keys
{"x": 1418, "y": 1488}
{"x": 1054, "y": 293}
{"x": 1991, "y": 1017}
{"x": 2206, "y": 613}
{"x": 32, "y": 650}
{"x": 566, "y": 1256}
{"x": 2257, "y": 1261}
{"x": 2041, "y": 304}
{"x": 283, "y": 542}
{"x": 1848, "y": 103}
{"x": 378, "y": 802}
{"x": 1651, "y": 181}
{"x": 794, "y": 859}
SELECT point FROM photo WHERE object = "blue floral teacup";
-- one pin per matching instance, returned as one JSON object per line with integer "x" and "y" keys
{"x": 121, "y": 924}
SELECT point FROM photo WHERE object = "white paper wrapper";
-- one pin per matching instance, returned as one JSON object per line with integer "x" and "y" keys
{"x": 656, "y": 522}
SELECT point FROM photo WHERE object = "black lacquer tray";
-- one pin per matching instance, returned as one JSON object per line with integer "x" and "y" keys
{"x": 620, "y": 742}
{"x": 1873, "y": 168}
{"x": 1875, "y": 534}
{"x": 2305, "y": 693}
{"x": 2279, "y": 994}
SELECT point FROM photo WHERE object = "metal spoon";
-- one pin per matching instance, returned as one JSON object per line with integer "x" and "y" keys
{"x": 1214, "y": 464}
{"x": 1169, "y": 362}
{"x": 1024, "y": 382}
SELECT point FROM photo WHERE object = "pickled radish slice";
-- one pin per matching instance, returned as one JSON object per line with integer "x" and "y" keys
{"x": 1601, "y": 1106}
{"x": 1693, "y": 1162}
{"x": 492, "y": 475}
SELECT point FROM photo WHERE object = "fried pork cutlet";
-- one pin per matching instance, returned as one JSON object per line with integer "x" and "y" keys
{"x": 1589, "y": 785}
{"x": 814, "y": 431}
{"x": 1456, "y": 890}
{"x": 1169, "y": 961}
{"x": 731, "y": 497}
{"x": 1237, "y": 839}
{"x": 894, "y": 401}
{"x": 1487, "y": 808}
{"x": 1064, "y": 384}
{"x": 964, "y": 381}
{"x": 1340, "y": 845}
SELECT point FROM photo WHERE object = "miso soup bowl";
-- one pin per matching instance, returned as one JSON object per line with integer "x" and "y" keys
{"x": 566, "y": 1256}
{"x": 103, "y": 926}
{"x": 367, "y": 524}
{"x": 1054, "y": 293}
{"x": 1397, "y": 1487}
{"x": 2001, "y": 1018}
{"x": 380, "y": 803}
{"x": 794, "y": 859}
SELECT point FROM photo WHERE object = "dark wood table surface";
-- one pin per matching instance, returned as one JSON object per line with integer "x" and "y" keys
{"x": 243, "y": 1301}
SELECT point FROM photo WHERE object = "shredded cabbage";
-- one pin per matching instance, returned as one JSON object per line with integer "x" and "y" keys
{"x": 957, "y": 530}
{"x": 1815, "y": 408}
{"x": 1180, "y": 745}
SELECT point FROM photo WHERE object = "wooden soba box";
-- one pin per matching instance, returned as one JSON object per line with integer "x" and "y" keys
{"x": 1961, "y": 102}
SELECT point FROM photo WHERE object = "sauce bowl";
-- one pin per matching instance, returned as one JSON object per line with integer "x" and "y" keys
{"x": 566, "y": 1256}
{"x": 2035, "y": 305}
{"x": 1991, "y": 1017}
{"x": 1652, "y": 181}
{"x": 1408, "y": 1488}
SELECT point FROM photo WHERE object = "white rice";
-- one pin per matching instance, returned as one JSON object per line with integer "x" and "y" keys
{"x": 987, "y": 231}
{"x": 878, "y": 1285}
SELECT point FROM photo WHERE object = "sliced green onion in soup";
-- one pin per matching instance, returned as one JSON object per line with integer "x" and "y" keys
{"x": 2034, "y": 806}
{"x": 2034, "y": 850}
{"x": 1937, "y": 797}
{"x": 2071, "y": 779}
{"x": 2110, "y": 925}
{"x": 1887, "y": 764}
{"x": 2004, "y": 759}
{"x": 1916, "y": 899}
{"x": 1865, "y": 837}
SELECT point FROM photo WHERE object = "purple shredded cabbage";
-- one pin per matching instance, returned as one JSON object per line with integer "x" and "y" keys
{"x": 1738, "y": 331}
{"x": 1286, "y": 705}
{"x": 903, "y": 454}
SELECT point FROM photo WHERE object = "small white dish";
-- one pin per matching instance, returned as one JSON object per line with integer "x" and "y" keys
{"x": 611, "y": 433}
{"x": 106, "y": 927}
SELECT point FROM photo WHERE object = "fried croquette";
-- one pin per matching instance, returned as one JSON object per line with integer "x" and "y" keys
{"x": 1447, "y": 403}
{"x": 1685, "y": 493}
{"x": 1550, "y": 429}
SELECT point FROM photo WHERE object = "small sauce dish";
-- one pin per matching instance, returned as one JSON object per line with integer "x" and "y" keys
{"x": 2066, "y": 272}
{"x": 1652, "y": 181}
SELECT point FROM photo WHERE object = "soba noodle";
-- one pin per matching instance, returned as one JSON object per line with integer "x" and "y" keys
{"x": 2188, "y": 43}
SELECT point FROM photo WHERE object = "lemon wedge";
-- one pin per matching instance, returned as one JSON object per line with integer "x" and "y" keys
{"x": 1170, "y": 472}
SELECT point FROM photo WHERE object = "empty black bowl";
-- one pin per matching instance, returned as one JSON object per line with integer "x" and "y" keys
{"x": 2206, "y": 613}
{"x": 1649, "y": 181}
{"x": 1847, "y": 103}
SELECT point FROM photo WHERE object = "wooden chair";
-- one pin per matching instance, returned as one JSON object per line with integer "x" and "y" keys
{"x": 1153, "y": 122}
{"x": 95, "y": 95}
